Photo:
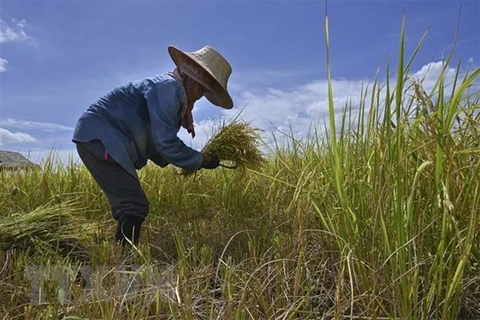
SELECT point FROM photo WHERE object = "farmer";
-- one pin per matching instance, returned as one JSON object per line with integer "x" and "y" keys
{"x": 139, "y": 121}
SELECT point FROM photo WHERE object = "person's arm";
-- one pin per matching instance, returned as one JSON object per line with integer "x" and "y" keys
{"x": 164, "y": 104}
{"x": 158, "y": 160}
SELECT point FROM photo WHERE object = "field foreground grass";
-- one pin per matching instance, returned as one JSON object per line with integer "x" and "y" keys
{"x": 375, "y": 218}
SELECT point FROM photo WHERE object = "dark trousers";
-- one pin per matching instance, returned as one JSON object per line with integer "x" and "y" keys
{"x": 127, "y": 200}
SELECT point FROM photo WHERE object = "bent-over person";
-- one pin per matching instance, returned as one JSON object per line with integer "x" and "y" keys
{"x": 139, "y": 121}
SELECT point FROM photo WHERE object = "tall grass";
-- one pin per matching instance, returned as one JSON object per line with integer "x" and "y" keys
{"x": 375, "y": 218}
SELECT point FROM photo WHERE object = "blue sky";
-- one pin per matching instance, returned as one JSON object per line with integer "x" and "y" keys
{"x": 57, "y": 57}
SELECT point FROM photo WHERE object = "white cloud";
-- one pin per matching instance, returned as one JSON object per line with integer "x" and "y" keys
{"x": 7, "y": 137}
{"x": 430, "y": 73}
{"x": 297, "y": 109}
{"x": 14, "y": 32}
{"x": 3, "y": 65}
{"x": 470, "y": 60}
{"x": 32, "y": 125}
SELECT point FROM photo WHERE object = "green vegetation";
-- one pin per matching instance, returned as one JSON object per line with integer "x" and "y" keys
{"x": 375, "y": 218}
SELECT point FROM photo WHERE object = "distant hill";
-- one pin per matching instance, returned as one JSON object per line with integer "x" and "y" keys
{"x": 13, "y": 160}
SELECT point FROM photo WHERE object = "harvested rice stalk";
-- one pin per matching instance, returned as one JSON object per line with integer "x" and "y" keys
{"x": 237, "y": 146}
{"x": 54, "y": 226}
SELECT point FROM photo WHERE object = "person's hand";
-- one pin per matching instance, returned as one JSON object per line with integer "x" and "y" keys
{"x": 210, "y": 161}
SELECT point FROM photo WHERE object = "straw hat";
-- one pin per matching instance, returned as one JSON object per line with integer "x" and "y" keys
{"x": 210, "y": 69}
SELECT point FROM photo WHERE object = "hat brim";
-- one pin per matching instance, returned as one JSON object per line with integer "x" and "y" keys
{"x": 216, "y": 94}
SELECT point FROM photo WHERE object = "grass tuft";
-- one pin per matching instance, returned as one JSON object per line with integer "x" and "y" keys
{"x": 237, "y": 144}
{"x": 52, "y": 226}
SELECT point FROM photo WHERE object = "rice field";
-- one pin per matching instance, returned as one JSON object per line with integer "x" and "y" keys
{"x": 376, "y": 216}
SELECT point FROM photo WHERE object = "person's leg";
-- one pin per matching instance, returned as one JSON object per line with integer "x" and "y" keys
{"x": 124, "y": 192}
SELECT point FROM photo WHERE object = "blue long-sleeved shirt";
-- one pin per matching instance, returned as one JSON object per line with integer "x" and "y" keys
{"x": 138, "y": 121}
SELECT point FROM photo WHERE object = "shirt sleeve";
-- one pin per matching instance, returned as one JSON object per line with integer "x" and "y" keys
{"x": 158, "y": 160}
{"x": 164, "y": 104}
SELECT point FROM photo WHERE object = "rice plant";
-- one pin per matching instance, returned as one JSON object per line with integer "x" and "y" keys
{"x": 237, "y": 144}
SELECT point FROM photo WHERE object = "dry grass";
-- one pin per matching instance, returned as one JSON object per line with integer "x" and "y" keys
{"x": 237, "y": 144}
{"x": 57, "y": 226}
